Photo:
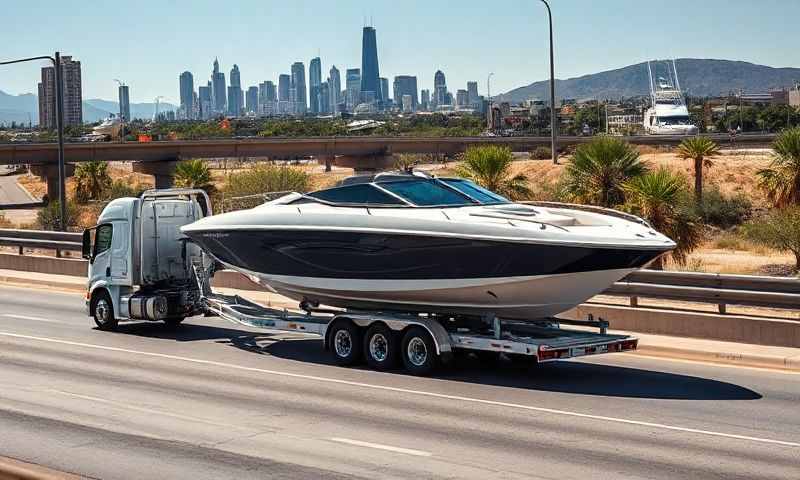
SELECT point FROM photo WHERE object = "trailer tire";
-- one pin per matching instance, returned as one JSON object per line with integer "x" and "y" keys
{"x": 419, "y": 351}
{"x": 345, "y": 343}
{"x": 381, "y": 347}
{"x": 103, "y": 311}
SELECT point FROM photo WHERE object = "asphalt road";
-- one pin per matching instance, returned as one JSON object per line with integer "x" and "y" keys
{"x": 11, "y": 192}
{"x": 213, "y": 400}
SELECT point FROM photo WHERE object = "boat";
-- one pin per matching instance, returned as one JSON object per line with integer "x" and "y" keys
{"x": 668, "y": 114}
{"x": 413, "y": 242}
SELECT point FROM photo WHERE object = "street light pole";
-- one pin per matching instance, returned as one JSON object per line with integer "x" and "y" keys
{"x": 553, "y": 126}
{"x": 59, "y": 125}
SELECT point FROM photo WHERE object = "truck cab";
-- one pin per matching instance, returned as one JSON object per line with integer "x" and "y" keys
{"x": 140, "y": 265}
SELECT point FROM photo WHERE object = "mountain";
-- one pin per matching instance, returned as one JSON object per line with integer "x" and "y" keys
{"x": 698, "y": 77}
{"x": 25, "y": 107}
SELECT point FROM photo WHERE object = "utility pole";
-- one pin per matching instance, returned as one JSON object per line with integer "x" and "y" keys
{"x": 553, "y": 125}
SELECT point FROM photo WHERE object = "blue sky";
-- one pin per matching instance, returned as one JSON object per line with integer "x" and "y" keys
{"x": 148, "y": 43}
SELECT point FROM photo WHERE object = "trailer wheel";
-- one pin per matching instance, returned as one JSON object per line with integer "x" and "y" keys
{"x": 419, "y": 351}
{"x": 345, "y": 343}
{"x": 381, "y": 347}
{"x": 103, "y": 311}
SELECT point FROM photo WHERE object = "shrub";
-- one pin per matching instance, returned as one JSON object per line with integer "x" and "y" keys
{"x": 541, "y": 153}
{"x": 193, "y": 174}
{"x": 48, "y": 217}
{"x": 121, "y": 189}
{"x": 91, "y": 181}
{"x": 721, "y": 211}
{"x": 490, "y": 167}
{"x": 779, "y": 230}
{"x": 259, "y": 180}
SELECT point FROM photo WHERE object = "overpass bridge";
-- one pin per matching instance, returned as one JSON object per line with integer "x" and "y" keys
{"x": 361, "y": 153}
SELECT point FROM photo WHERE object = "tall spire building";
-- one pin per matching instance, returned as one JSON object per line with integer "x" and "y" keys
{"x": 335, "y": 88}
{"x": 218, "y": 92}
{"x": 315, "y": 86}
{"x": 370, "y": 74}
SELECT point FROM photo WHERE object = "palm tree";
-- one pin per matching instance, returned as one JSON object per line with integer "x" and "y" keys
{"x": 701, "y": 150}
{"x": 490, "y": 167}
{"x": 660, "y": 198}
{"x": 91, "y": 180}
{"x": 597, "y": 171}
{"x": 193, "y": 174}
{"x": 781, "y": 180}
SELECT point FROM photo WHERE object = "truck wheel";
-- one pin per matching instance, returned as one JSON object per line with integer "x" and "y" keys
{"x": 381, "y": 347}
{"x": 419, "y": 351}
{"x": 345, "y": 343}
{"x": 103, "y": 312}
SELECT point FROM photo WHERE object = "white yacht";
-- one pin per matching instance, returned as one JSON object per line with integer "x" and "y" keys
{"x": 668, "y": 114}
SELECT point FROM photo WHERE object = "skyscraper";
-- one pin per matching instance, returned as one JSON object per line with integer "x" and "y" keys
{"x": 405, "y": 85}
{"x": 73, "y": 94}
{"x": 315, "y": 85}
{"x": 187, "y": 95}
{"x": 204, "y": 99}
{"x": 425, "y": 99}
{"x": 384, "y": 92}
{"x": 284, "y": 94}
{"x": 325, "y": 98}
{"x": 299, "y": 88}
{"x": 234, "y": 93}
{"x": 462, "y": 98}
{"x": 370, "y": 74}
{"x": 267, "y": 99}
{"x": 335, "y": 88}
{"x": 218, "y": 89}
{"x": 473, "y": 98}
{"x": 251, "y": 100}
{"x": 439, "y": 89}
{"x": 124, "y": 103}
{"x": 353, "y": 88}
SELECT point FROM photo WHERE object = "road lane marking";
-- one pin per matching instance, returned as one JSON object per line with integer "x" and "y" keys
{"x": 378, "y": 446}
{"x": 423, "y": 393}
{"x": 28, "y": 317}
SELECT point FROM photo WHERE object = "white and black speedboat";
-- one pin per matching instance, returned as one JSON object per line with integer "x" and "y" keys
{"x": 412, "y": 242}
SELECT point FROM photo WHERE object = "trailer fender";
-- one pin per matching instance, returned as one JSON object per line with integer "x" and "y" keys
{"x": 440, "y": 336}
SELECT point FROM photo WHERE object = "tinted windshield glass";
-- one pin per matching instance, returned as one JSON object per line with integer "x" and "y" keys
{"x": 677, "y": 120}
{"x": 364, "y": 193}
{"x": 474, "y": 191}
{"x": 426, "y": 193}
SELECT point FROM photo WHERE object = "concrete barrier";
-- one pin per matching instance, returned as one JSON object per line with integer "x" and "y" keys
{"x": 32, "y": 263}
{"x": 681, "y": 323}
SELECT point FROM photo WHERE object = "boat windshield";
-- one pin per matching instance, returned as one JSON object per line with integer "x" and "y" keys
{"x": 675, "y": 120}
{"x": 427, "y": 193}
{"x": 474, "y": 191}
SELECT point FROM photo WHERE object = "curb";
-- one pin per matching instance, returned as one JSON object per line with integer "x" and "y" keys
{"x": 32, "y": 282}
{"x": 11, "y": 469}
{"x": 726, "y": 358}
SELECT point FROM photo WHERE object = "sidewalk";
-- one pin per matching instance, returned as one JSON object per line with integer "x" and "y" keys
{"x": 740, "y": 354}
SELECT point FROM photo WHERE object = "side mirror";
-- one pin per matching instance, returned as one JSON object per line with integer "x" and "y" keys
{"x": 86, "y": 247}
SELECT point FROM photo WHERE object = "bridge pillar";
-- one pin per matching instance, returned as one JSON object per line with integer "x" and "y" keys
{"x": 163, "y": 172}
{"x": 49, "y": 173}
{"x": 367, "y": 164}
{"x": 326, "y": 160}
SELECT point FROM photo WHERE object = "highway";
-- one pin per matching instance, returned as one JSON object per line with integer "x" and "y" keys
{"x": 215, "y": 400}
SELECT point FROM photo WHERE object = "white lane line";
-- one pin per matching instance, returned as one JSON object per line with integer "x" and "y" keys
{"x": 28, "y": 317}
{"x": 412, "y": 392}
{"x": 378, "y": 446}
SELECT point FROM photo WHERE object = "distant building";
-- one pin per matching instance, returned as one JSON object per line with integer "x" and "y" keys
{"x": 251, "y": 100}
{"x": 284, "y": 94}
{"x": 186, "y": 81}
{"x": 353, "y": 88}
{"x": 405, "y": 85}
{"x": 335, "y": 87}
{"x": 315, "y": 85}
{"x": 73, "y": 95}
{"x": 439, "y": 89}
{"x": 206, "y": 106}
{"x": 370, "y": 73}
{"x": 298, "y": 89}
{"x": 385, "y": 100}
{"x": 124, "y": 103}
{"x": 425, "y": 99}
{"x": 794, "y": 96}
{"x": 235, "y": 99}
{"x": 462, "y": 99}
{"x": 407, "y": 103}
{"x": 267, "y": 99}
{"x": 218, "y": 89}
{"x": 473, "y": 99}
{"x": 324, "y": 98}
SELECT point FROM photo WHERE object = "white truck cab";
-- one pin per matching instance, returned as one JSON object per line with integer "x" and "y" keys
{"x": 140, "y": 266}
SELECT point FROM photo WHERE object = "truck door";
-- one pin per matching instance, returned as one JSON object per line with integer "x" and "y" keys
{"x": 121, "y": 254}
{"x": 101, "y": 252}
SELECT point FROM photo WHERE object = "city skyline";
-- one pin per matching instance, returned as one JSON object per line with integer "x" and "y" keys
{"x": 149, "y": 66}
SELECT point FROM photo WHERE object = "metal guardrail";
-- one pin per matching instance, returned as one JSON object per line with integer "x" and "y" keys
{"x": 719, "y": 289}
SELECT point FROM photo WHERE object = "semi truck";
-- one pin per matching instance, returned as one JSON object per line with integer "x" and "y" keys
{"x": 142, "y": 268}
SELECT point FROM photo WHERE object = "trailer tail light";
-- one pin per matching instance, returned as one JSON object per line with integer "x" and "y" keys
{"x": 546, "y": 354}
{"x": 629, "y": 345}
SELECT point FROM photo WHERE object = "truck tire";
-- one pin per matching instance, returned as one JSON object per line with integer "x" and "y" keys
{"x": 103, "y": 311}
{"x": 419, "y": 351}
{"x": 381, "y": 347}
{"x": 345, "y": 343}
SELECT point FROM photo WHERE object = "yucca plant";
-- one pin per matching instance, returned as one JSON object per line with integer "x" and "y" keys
{"x": 781, "y": 181}
{"x": 598, "y": 170}
{"x": 490, "y": 167}
{"x": 91, "y": 181}
{"x": 701, "y": 150}
{"x": 660, "y": 198}
{"x": 193, "y": 174}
